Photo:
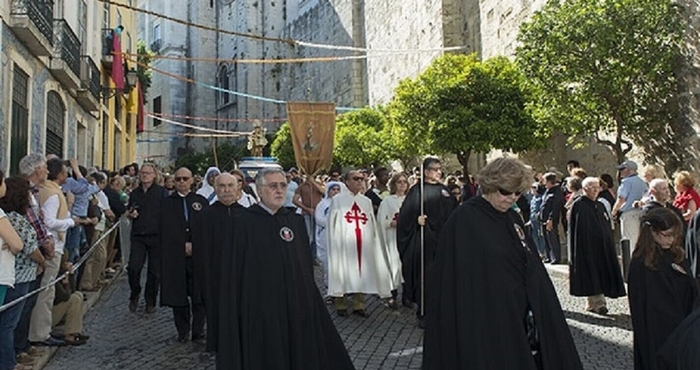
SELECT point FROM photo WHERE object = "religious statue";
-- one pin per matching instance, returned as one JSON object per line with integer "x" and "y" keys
{"x": 257, "y": 140}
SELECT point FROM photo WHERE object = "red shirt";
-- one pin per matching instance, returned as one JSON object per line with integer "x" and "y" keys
{"x": 683, "y": 198}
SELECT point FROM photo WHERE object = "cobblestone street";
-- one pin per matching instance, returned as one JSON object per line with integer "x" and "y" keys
{"x": 386, "y": 340}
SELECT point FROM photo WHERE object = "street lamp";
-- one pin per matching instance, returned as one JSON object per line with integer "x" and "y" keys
{"x": 131, "y": 79}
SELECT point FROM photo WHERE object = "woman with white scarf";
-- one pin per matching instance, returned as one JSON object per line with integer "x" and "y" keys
{"x": 207, "y": 189}
{"x": 321, "y": 215}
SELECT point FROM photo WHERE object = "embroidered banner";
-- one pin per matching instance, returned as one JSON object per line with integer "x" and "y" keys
{"x": 312, "y": 125}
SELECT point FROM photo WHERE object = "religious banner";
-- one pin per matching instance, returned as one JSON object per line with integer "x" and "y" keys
{"x": 312, "y": 125}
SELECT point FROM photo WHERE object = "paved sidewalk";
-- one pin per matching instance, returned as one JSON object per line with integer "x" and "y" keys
{"x": 386, "y": 340}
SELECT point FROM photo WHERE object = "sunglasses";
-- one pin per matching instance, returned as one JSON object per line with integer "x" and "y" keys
{"x": 357, "y": 178}
{"x": 182, "y": 178}
{"x": 506, "y": 193}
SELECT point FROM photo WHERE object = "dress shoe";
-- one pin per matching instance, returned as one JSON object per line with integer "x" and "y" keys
{"x": 602, "y": 311}
{"x": 50, "y": 342}
{"x": 150, "y": 309}
{"x": 133, "y": 304}
{"x": 546, "y": 260}
{"x": 361, "y": 313}
{"x": 342, "y": 313}
{"x": 407, "y": 303}
{"x": 555, "y": 262}
{"x": 199, "y": 338}
{"x": 182, "y": 338}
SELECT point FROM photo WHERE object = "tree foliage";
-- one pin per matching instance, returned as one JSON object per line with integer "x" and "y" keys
{"x": 282, "y": 147}
{"x": 604, "y": 67}
{"x": 461, "y": 105}
{"x": 226, "y": 153}
{"x": 145, "y": 74}
{"x": 359, "y": 139}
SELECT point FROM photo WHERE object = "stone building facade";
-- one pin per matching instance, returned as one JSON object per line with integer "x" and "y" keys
{"x": 488, "y": 28}
{"x": 55, "y": 83}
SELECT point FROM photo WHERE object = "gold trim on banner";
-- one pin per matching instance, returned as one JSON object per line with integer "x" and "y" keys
{"x": 312, "y": 126}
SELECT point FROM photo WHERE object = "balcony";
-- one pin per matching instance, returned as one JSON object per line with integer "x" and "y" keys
{"x": 32, "y": 22}
{"x": 88, "y": 95}
{"x": 65, "y": 64}
{"x": 107, "y": 47}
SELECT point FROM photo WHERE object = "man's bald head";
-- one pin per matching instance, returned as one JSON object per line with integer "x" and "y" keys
{"x": 183, "y": 180}
{"x": 226, "y": 187}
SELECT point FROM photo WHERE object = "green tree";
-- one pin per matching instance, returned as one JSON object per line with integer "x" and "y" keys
{"x": 460, "y": 105}
{"x": 282, "y": 147}
{"x": 604, "y": 68}
{"x": 227, "y": 155}
{"x": 360, "y": 139}
{"x": 144, "y": 59}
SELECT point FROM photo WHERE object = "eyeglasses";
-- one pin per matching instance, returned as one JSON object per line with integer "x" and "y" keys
{"x": 277, "y": 185}
{"x": 182, "y": 178}
{"x": 435, "y": 168}
{"x": 239, "y": 181}
{"x": 506, "y": 193}
{"x": 357, "y": 178}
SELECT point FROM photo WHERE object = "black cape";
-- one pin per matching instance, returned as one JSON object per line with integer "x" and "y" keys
{"x": 680, "y": 352}
{"x": 438, "y": 206}
{"x": 485, "y": 276}
{"x": 593, "y": 266}
{"x": 213, "y": 233}
{"x": 271, "y": 314}
{"x": 175, "y": 231}
{"x": 659, "y": 300}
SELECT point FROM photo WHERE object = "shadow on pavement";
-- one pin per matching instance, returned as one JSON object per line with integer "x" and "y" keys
{"x": 620, "y": 321}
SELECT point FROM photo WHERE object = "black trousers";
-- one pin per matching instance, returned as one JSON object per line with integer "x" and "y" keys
{"x": 552, "y": 246}
{"x": 194, "y": 312}
{"x": 143, "y": 247}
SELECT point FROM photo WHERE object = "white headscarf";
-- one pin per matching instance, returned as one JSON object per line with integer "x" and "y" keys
{"x": 207, "y": 190}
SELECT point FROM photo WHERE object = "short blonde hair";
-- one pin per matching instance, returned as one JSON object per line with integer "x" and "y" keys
{"x": 505, "y": 173}
{"x": 684, "y": 178}
{"x": 656, "y": 172}
{"x": 394, "y": 179}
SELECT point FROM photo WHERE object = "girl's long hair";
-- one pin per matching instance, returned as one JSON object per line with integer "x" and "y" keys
{"x": 659, "y": 219}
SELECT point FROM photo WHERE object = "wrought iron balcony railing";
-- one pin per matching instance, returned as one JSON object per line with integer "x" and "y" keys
{"x": 40, "y": 12}
{"x": 66, "y": 45}
{"x": 90, "y": 76}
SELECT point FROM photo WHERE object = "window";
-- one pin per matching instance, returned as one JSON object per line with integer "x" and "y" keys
{"x": 106, "y": 16}
{"x": 55, "y": 121}
{"x": 58, "y": 9}
{"x": 119, "y": 18}
{"x": 82, "y": 144}
{"x": 117, "y": 149}
{"x": 118, "y": 108}
{"x": 82, "y": 27}
{"x": 222, "y": 82}
{"x": 156, "y": 32}
{"x": 157, "y": 110}
{"x": 20, "y": 118}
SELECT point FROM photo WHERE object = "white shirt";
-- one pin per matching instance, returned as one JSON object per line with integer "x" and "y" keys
{"x": 7, "y": 262}
{"x": 56, "y": 225}
{"x": 246, "y": 200}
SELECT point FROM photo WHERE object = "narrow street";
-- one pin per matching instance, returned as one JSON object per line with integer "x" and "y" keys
{"x": 121, "y": 340}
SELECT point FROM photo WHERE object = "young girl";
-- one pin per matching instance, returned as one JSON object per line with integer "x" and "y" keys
{"x": 662, "y": 291}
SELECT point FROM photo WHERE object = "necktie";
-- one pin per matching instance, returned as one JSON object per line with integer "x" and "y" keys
{"x": 187, "y": 212}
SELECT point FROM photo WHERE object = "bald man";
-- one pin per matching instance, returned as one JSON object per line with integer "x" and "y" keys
{"x": 179, "y": 212}
{"x": 213, "y": 233}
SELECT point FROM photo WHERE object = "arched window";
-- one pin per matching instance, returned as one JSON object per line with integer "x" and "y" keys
{"x": 222, "y": 81}
{"x": 55, "y": 123}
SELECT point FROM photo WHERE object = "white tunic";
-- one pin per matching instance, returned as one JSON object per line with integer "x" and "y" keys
{"x": 356, "y": 257}
{"x": 389, "y": 211}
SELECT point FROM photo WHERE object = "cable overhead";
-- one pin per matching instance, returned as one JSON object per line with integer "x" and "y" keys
{"x": 288, "y": 41}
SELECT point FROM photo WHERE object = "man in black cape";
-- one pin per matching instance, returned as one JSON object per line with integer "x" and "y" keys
{"x": 214, "y": 232}
{"x": 485, "y": 281}
{"x": 271, "y": 314}
{"x": 438, "y": 206}
{"x": 178, "y": 212}
{"x": 593, "y": 268}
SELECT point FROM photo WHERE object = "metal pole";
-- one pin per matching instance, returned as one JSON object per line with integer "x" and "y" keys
{"x": 422, "y": 243}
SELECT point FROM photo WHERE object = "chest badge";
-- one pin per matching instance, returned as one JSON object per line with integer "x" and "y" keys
{"x": 286, "y": 234}
{"x": 197, "y": 206}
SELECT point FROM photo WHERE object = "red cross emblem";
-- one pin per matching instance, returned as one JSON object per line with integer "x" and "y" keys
{"x": 356, "y": 216}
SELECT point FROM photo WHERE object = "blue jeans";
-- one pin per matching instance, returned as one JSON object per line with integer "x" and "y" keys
{"x": 75, "y": 237}
{"x": 310, "y": 222}
{"x": 8, "y": 322}
{"x": 537, "y": 236}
